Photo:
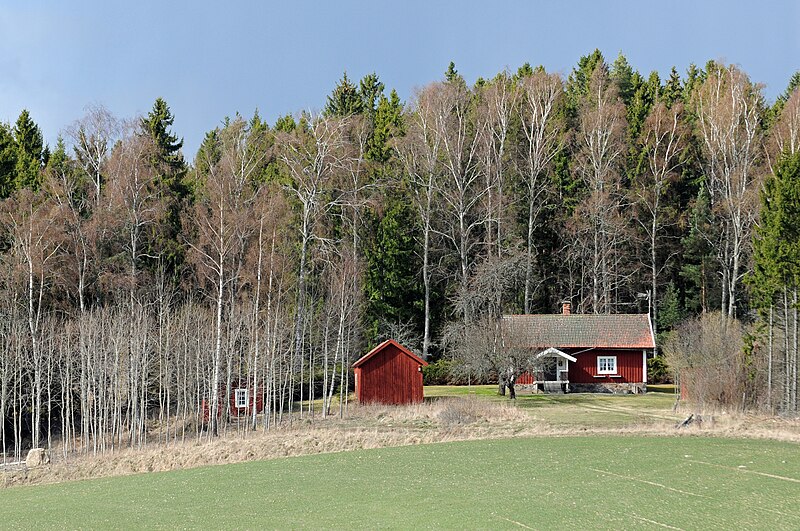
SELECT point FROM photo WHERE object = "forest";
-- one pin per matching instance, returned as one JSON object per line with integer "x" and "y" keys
{"x": 138, "y": 284}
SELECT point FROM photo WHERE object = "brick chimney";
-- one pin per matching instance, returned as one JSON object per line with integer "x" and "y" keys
{"x": 566, "y": 308}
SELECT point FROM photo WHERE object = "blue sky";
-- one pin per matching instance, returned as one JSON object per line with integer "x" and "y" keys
{"x": 211, "y": 59}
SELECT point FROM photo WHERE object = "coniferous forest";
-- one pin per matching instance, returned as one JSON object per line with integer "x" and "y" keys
{"x": 140, "y": 283}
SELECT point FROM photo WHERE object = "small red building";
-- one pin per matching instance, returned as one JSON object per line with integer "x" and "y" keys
{"x": 584, "y": 352}
{"x": 240, "y": 400}
{"x": 389, "y": 374}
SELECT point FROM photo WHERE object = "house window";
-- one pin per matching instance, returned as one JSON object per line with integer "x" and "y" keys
{"x": 606, "y": 365}
{"x": 241, "y": 398}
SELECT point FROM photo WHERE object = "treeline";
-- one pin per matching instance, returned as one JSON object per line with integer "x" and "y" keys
{"x": 135, "y": 285}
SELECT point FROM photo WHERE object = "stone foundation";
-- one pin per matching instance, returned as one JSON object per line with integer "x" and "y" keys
{"x": 614, "y": 388}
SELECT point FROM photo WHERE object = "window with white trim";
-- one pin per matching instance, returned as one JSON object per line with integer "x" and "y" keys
{"x": 240, "y": 398}
{"x": 606, "y": 365}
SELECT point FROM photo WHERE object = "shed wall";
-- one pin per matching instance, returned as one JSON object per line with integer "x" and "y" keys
{"x": 389, "y": 377}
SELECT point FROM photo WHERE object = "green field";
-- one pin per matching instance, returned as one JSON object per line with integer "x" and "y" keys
{"x": 578, "y": 410}
{"x": 578, "y": 482}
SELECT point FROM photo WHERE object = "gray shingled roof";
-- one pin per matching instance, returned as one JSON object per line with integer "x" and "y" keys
{"x": 625, "y": 331}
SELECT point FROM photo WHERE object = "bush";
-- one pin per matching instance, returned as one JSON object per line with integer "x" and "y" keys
{"x": 437, "y": 372}
{"x": 658, "y": 372}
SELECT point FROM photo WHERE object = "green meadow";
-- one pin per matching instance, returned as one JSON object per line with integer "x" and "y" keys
{"x": 607, "y": 482}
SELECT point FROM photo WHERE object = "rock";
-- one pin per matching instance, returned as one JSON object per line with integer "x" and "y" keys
{"x": 36, "y": 457}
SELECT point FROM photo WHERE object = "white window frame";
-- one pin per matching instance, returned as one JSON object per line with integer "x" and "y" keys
{"x": 608, "y": 360}
{"x": 241, "y": 398}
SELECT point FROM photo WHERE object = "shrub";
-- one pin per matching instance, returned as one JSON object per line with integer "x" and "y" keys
{"x": 658, "y": 372}
{"x": 437, "y": 372}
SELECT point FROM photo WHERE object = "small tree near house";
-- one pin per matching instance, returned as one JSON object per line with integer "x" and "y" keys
{"x": 486, "y": 348}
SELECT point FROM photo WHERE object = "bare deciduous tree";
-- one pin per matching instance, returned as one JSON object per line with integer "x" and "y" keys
{"x": 728, "y": 124}
{"x": 599, "y": 230}
{"x": 542, "y": 128}
{"x": 663, "y": 139}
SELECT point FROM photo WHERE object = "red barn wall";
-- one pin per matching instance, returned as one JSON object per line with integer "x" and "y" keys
{"x": 629, "y": 367}
{"x": 389, "y": 377}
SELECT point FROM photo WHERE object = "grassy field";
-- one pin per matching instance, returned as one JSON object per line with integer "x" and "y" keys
{"x": 597, "y": 482}
{"x": 578, "y": 410}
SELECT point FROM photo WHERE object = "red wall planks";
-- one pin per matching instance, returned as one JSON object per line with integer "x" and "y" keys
{"x": 389, "y": 376}
{"x": 629, "y": 367}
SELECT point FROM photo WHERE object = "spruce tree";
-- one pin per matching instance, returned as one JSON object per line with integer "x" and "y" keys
{"x": 167, "y": 160}
{"x": 8, "y": 161}
{"x": 31, "y": 155}
{"x": 344, "y": 100}
{"x": 370, "y": 90}
{"x": 168, "y": 157}
{"x": 626, "y": 79}
{"x": 672, "y": 92}
{"x": 391, "y": 281}
{"x": 388, "y": 124}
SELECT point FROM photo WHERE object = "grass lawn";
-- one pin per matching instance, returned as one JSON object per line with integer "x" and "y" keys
{"x": 579, "y": 482}
{"x": 577, "y": 410}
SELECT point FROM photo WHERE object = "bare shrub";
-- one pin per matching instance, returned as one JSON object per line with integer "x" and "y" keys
{"x": 708, "y": 353}
{"x": 459, "y": 412}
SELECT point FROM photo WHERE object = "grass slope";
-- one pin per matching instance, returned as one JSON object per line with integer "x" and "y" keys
{"x": 597, "y": 482}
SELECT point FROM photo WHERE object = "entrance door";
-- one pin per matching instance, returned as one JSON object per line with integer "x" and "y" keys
{"x": 562, "y": 371}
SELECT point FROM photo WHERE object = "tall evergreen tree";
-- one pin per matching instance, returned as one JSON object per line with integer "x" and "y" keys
{"x": 8, "y": 161}
{"x": 31, "y": 155}
{"x": 170, "y": 167}
{"x": 370, "y": 89}
{"x": 388, "y": 124}
{"x": 626, "y": 79}
{"x": 673, "y": 91}
{"x": 578, "y": 82}
{"x": 391, "y": 282}
{"x": 344, "y": 100}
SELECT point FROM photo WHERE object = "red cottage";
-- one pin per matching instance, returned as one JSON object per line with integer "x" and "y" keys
{"x": 240, "y": 400}
{"x": 584, "y": 352}
{"x": 389, "y": 374}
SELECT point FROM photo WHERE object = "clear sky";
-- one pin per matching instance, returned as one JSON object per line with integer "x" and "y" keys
{"x": 209, "y": 59}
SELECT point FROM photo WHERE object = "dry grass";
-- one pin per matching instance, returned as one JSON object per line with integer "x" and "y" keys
{"x": 375, "y": 426}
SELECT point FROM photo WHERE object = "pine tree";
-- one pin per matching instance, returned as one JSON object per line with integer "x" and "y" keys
{"x": 578, "y": 82}
{"x": 524, "y": 71}
{"x": 451, "y": 74}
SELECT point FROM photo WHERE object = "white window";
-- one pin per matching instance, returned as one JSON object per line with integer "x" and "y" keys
{"x": 241, "y": 398}
{"x": 606, "y": 365}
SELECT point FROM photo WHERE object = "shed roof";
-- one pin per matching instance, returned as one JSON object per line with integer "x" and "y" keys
{"x": 622, "y": 331}
{"x": 385, "y": 344}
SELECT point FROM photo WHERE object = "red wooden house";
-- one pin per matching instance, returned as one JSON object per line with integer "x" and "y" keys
{"x": 389, "y": 374}
{"x": 240, "y": 400}
{"x": 584, "y": 352}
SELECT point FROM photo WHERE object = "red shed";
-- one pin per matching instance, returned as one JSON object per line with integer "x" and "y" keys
{"x": 389, "y": 374}
{"x": 587, "y": 352}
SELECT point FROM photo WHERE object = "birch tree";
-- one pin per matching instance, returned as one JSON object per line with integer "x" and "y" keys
{"x": 663, "y": 142}
{"x": 600, "y": 144}
{"x": 419, "y": 152}
{"x": 542, "y": 128}
{"x": 728, "y": 124}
